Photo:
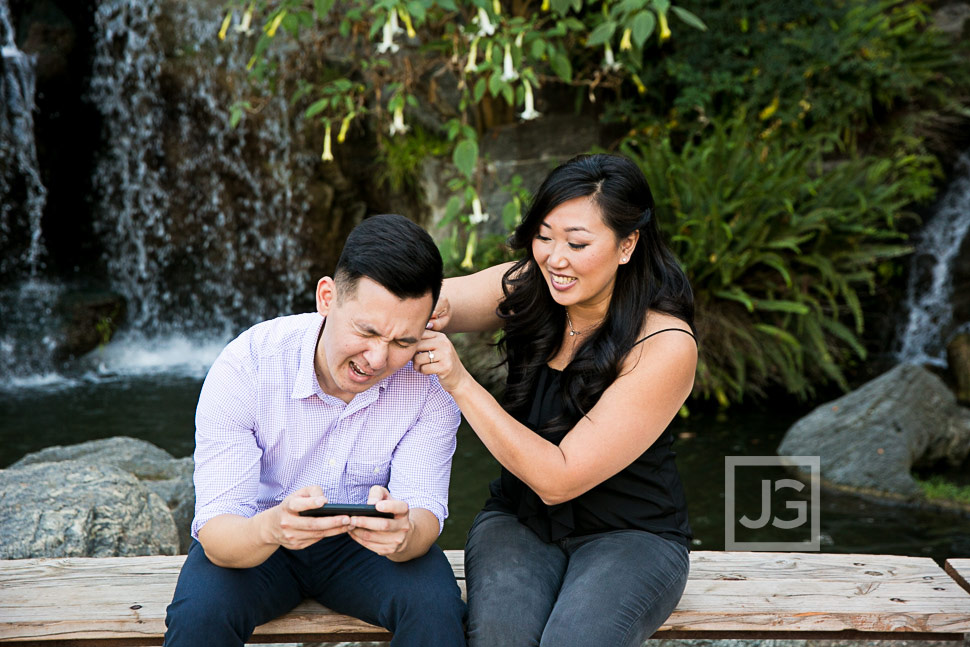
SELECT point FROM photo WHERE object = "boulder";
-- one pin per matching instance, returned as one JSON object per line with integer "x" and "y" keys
{"x": 869, "y": 439}
{"x": 167, "y": 477}
{"x": 76, "y": 509}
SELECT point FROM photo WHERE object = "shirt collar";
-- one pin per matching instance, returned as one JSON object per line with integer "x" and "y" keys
{"x": 306, "y": 383}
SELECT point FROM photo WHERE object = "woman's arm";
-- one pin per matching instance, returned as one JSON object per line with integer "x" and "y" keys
{"x": 631, "y": 414}
{"x": 468, "y": 303}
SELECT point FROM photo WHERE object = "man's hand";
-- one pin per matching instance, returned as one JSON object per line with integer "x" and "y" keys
{"x": 287, "y": 528}
{"x": 383, "y": 536}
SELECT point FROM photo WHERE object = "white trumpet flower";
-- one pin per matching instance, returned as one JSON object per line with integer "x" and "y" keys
{"x": 508, "y": 70}
{"x": 530, "y": 111}
{"x": 390, "y": 30}
{"x": 609, "y": 63}
{"x": 245, "y": 26}
{"x": 397, "y": 124}
{"x": 477, "y": 216}
{"x": 485, "y": 26}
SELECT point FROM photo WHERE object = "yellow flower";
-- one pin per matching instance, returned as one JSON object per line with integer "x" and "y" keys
{"x": 225, "y": 26}
{"x": 472, "y": 57}
{"x": 664, "y": 28}
{"x": 641, "y": 88}
{"x": 468, "y": 263}
{"x": 273, "y": 26}
{"x": 344, "y": 126}
{"x": 545, "y": 5}
{"x": 497, "y": 7}
{"x": 769, "y": 110}
{"x": 406, "y": 17}
{"x": 327, "y": 153}
{"x": 625, "y": 43}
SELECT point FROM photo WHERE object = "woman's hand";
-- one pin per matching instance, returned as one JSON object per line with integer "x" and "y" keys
{"x": 441, "y": 315}
{"x": 435, "y": 355}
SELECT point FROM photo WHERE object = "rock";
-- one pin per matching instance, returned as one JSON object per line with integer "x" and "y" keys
{"x": 169, "y": 478}
{"x": 480, "y": 357}
{"x": 89, "y": 321}
{"x": 958, "y": 358}
{"x": 868, "y": 440}
{"x": 75, "y": 509}
{"x": 952, "y": 18}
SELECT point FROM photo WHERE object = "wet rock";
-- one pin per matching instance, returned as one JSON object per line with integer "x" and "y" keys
{"x": 869, "y": 439}
{"x": 958, "y": 359}
{"x": 76, "y": 509}
{"x": 90, "y": 320}
{"x": 167, "y": 477}
{"x": 951, "y": 18}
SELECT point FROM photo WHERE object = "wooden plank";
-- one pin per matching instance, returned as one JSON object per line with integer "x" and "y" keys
{"x": 122, "y": 601}
{"x": 959, "y": 570}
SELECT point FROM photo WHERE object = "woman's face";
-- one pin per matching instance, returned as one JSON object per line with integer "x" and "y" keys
{"x": 578, "y": 254}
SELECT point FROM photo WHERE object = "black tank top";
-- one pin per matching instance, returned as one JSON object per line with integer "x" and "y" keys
{"x": 647, "y": 495}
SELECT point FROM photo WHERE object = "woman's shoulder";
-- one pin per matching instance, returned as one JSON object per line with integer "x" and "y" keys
{"x": 658, "y": 323}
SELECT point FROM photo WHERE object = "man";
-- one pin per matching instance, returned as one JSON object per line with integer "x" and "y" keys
{"x": 303, "y": 410}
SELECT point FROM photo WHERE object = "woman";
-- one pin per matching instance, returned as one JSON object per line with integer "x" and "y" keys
{"x": 585, "y": 539}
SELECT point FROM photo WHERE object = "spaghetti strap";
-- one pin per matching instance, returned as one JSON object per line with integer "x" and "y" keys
{"x": 665, "y": 330}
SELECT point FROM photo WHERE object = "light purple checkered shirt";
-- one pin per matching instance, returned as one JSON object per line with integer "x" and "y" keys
{"x": 265, "y": 429}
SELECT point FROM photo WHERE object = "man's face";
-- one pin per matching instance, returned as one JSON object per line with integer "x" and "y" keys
{"x": 368, "y": 335}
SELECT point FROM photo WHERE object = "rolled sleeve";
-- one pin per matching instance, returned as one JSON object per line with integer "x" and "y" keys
{"x": 421, "y": 463}
{"x": 227, "y": 455}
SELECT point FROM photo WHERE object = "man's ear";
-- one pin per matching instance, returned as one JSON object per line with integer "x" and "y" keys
{"x": 326, "y": 294}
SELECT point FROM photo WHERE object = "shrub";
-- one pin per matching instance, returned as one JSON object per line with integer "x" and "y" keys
{"x": 777, "y": 242}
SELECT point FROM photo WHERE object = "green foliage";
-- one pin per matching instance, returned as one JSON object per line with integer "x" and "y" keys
{"x": 777, "y": 241}
{"x": 498, "y": 55}
{"x": 939, "y": 489}
{"x": 820, "y": 65}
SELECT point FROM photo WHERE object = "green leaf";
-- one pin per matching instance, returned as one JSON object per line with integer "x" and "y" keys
{"x": 778, "y": 333}
{"x": 603, "y": 33}
{"x": 479, "y": 90}
{"x": 781, "y": 305}
{"x": 322, "y": 8}
{"x": 452, "y": 209}
{"x": 561, "y": 7}
{"x": 465, "y": 157}
{"x": 448, "y": 5}
{"x": 316, "y": 108}
{"x": 689, "y": 18}
{"x": 642, "y": 26}
{"x": 495, "y": 84}
{"x": 417, "y": 11}
{"x": 561, "y": 66}
{"x": 736, "y": 294}
{"x": 538, "y": 48}
{"x": 508, "y": 93}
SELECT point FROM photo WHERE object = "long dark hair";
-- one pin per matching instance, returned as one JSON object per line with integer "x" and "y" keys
{"x": 534, "y": 322}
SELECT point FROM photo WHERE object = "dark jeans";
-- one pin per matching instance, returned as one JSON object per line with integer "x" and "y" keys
{"x": 612, "y": 589}
{"x": 417, "y": 600}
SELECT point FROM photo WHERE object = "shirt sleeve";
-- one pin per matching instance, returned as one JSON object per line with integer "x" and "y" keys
{"x": 421, "y": 463}
{"x": 227, "y": 456}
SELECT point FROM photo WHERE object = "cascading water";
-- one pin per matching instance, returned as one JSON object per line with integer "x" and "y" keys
{"x": 22, "y": 194}
{"x": 26, "y": 298}
{"x": 200, "y": 242}
{"x": 929, "y": 295}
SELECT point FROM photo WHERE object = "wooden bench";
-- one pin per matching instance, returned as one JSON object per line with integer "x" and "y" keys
{"x": 122, "y": 601}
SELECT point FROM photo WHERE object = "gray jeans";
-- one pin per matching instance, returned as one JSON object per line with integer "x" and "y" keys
{"x": 612, "y": 589}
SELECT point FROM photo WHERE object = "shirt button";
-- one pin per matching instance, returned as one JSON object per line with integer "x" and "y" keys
{"x": 333, "y": 463}
{"x": 376, "y": 470}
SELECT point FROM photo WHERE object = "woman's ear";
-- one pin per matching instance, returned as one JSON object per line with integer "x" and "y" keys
{"x": 627, "y": 245}
{"x": 326, "y": 293}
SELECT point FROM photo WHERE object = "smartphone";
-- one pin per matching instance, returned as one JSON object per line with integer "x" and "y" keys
{"x": 349, "y": 509}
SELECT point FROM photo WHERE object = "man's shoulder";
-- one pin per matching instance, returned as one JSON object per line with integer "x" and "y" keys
{"x": 275, "y": 336}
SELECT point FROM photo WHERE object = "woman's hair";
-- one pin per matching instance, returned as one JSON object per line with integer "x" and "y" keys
{"x": 534, "y": 322}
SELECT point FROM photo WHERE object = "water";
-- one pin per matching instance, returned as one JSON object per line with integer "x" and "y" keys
{"x": 22, "y": 193}
{"x": 160, "y": 408}
{"x": 197, "y": 240}
{"x": 930, "y": 323}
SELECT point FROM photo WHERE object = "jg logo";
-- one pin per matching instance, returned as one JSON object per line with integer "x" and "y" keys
{"x": 782, "y": 512}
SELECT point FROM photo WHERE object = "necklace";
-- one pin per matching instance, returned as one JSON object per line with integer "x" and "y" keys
{"x": 572, "y": 331}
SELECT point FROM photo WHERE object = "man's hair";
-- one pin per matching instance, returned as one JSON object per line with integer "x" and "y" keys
{"x": 393, "y": 252}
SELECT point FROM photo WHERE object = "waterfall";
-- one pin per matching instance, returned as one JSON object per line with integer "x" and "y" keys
{"x": 22, "y": 194}
{"x": 929, "y": 295}
{"x": 200, "y": 239}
